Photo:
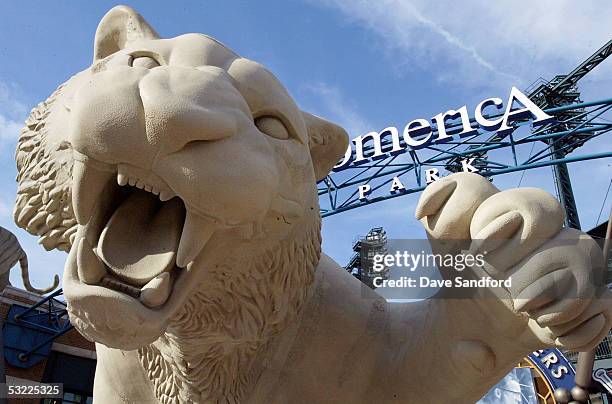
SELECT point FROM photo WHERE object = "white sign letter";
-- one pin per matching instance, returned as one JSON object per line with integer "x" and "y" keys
{"x": 377, "y": 138}
{"x": 431, "y": 175}
{"x": 345, "y": 160}
{"x": 416, "y": 128}
{"x": 482, "y": 121}
{"x": 550, "y": 359}
{"x": 467, "y": 166}
{"x": 363, "y": 191}
{"x": 451, "y": 113}
{"x": 530, "y": 109}
{"x": 396, "y": 185}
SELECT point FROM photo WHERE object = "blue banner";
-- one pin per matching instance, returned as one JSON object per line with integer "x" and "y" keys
{"x": 555, "y": 367}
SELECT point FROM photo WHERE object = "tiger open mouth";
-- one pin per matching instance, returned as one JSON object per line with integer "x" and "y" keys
{"x": 137, "y": 236}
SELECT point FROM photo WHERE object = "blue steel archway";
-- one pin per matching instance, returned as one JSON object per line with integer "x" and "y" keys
{"x": 554, "y": 144}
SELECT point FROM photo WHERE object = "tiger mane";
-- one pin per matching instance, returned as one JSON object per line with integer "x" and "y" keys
{"x": 43, "y": 206}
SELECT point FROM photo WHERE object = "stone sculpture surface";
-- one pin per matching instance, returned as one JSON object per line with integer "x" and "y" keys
{"x": 181, "y": 178}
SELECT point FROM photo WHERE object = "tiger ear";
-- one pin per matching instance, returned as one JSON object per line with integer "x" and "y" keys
{"x": 120, "y": 26}
{"x": 327, "y": 142}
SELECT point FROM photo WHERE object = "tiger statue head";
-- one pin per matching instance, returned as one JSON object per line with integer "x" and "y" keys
{"x": 181, "y": 178}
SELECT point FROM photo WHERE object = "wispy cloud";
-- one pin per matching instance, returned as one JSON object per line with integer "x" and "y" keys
{"x": 450, "y": 38}
{"x": 9, "y": 129}
{"x": 6, "y": 209}
{"x": 335, "y": 106}
{"x": 471, "y": 43}
{"x": 12, "y": 113}
{"x": 10, "y": 104}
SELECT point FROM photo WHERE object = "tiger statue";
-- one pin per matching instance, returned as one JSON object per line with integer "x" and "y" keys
{"x": 181, "y": 178}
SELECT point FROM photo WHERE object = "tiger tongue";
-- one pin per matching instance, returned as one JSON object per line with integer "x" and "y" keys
{"x": 141, "y": 238}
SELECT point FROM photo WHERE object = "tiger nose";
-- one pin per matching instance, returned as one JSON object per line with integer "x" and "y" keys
{"x": 106, "y": 121}
{"x": 136, "y": 115}
{"x": 183, "y": 105}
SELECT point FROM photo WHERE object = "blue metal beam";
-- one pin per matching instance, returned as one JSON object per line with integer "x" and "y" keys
{"x": 369, "y": 201}
{"x": 578, "y": 123}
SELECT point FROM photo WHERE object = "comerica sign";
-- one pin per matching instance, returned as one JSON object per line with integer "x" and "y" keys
{"x": 420, "y": 133}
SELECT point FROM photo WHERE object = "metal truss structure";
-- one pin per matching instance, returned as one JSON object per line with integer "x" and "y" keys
{"x": 554, "y": 144}
{"x": 29, "y": 331}
{"x": 562, "y": 90}
{"x": 361, "y": 264}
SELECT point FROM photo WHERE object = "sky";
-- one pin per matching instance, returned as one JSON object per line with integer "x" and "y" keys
{"x": 365, "y": 65}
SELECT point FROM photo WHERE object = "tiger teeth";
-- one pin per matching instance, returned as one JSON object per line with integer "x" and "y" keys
{"x": 122, "y": 180}
{"x": 145, "y": 180}
{"x": 89, "y": 181}
{"x": 156, "y": 291}
{"x": 120, "y": 286}
{"x": 197, "y": 231}
{"x": 166, "y": 195}
{"x": 90, "y": 269}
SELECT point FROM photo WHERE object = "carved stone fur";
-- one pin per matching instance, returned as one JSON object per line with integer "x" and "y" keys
{"x": 219, "y": 338}
{"x": 43, "y": 206}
